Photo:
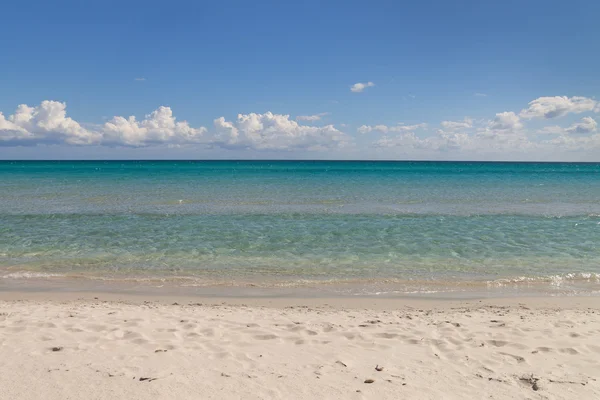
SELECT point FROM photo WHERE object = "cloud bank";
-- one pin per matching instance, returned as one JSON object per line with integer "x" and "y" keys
{"x": 504, "y": 135}
{"x": 48, "y": 124}
{"x": 507, "y": 133}
{"x": 386, "y": 129}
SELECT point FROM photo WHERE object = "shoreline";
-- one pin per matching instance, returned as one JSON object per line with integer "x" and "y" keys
{"x": 278, "y": 302}
{"x": 459, "y": 290}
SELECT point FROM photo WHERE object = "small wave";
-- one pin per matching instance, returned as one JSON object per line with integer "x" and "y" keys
{"x": 554, "y": 280}
{"x": 30, "y": 275}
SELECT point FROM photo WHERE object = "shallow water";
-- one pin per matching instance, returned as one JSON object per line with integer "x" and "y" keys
{"x": 417, "y": 224}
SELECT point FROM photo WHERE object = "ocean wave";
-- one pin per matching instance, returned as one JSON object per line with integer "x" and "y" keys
{"x": 554, "y": 280}
{"x": 31, "y": 275}
{"x": 573, "y": 284}
{"x": 425, "y": 283}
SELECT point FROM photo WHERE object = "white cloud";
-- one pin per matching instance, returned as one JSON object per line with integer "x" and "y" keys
{"x": 490, "y": 143}
{"x": 359, "y": 87}
{"x": 368, "y": 128}
{"x": 270, "y": 131}
{"x": 505, "y": 121}
{"x": 455, "y": 125}
{"x": 441, "y": 142}
{"x": 505, "y": 128}
{"x": 140, "y": 79}
{"x": 557, "y": 106}
{"x": 587, "y": 125}
{"x": 453, "y": 140}
{"x": 315, "y": 117}
{"x": 158, "y": 127}
{"x": 386, "y": 129}
{"x": 574, "y": 143}
{"x": 506, "y": 135}
{"x": 480, "y": 95}
{"x": 46, "y": 123}
{"x": 407, "y": 141}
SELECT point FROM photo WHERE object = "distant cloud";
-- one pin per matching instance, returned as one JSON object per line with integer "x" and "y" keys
{"x": 557, "y": 106}
{"x": 406, "y": 140}
{"x": 455, "y": 125}
{"x": 385, "y": 129}
{"x": 480, "y": 94}
{"x": 316, "y": 117}
{"x": 587, "y": 125}
{"x": 505, "y": 121}
{"x": 140, "y": 79}
{"x": 359, "y": 87}
{"x": 270, "y": 131}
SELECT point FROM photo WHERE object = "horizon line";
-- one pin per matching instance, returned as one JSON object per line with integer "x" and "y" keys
{"x": 297, "y": 160}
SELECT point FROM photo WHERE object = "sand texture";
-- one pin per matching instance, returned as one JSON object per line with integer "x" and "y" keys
{"x": 94, "y": 349}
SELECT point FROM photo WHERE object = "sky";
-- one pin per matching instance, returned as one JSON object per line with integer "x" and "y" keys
{"x": 431, "y": 79}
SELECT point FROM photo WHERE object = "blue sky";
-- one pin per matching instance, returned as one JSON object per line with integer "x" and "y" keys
{"x": 77, "y": 65}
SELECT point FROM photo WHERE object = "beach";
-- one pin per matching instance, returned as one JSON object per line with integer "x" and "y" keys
{"x": 299, "y": 280}
{"x": 113, "y": 345}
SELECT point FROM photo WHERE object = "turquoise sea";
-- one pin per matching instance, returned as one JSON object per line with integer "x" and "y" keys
{"x": 402, "y": 227}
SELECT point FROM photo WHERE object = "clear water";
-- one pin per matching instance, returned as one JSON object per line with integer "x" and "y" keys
{"x": 286, "y": 223}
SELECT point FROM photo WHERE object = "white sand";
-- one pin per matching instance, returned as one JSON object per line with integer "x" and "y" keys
{"x": 538, "y": 349}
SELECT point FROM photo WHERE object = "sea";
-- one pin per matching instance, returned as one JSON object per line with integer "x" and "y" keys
{"x": 375, "y": 228}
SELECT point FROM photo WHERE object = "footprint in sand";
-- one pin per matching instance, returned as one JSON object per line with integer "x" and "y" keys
{"x": 386, "y": 335}
{"x": 497, "y": 343}
{"x": 265, "y": 337}
{"x": 569, "y": 350}
{"x": 518, "y": 359}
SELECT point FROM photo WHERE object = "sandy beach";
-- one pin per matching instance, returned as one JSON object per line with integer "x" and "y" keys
{"x": 107, "y": 346}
